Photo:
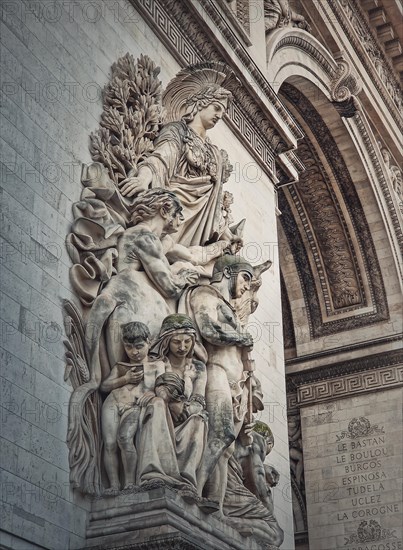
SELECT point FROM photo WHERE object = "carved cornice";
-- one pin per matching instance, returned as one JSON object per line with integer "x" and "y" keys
{"x": 242, "y": 13}
{"x": 189, "y": 40}
{"x": 353, "y": 23}
{"x": 348, "y": 347}
{"x": 389, "y": 363}
{"x": 309, "y": 45}
{"x": 318, "y": 326}
{"x": 243, "y": 31}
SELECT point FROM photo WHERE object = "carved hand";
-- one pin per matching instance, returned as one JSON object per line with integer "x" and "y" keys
{"x": 194, "y": 407}
{"x": 236, "y": 245}
{"x": 247, "y": 341}
{"x": 145, "y": 398}
{"x": 178, "y": 412}
{"x": 134, "y": 377}
{"x": 248, "y": 428}
{"x": 188, "y": 276}
{"x": 245, "y": 435}
{"x": 222, "y": 245}
{"x": 134, "y": 184}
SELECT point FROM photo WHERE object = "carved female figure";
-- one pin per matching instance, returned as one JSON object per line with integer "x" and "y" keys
{"x": 184, "y": 160}
{"x": 174, "y": 424}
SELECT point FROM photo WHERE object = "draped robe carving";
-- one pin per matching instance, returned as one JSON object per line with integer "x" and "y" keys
{"x": 151, "y": 221}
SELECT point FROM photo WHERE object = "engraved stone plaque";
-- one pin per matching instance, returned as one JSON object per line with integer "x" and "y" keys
{"x": 353, "y": 473}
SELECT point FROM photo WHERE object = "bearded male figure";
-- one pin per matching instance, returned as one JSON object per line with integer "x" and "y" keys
{"x": 139, "y": 291}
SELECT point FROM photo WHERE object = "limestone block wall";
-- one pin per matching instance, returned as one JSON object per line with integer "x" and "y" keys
{"x": 255, "y": 199}
{"x": 353, "y": 472}
{"x": 55, "y": 60}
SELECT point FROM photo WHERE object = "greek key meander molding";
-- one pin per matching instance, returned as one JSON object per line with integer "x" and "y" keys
{"x": 346, "y": 24}
{"x": 182, "y": 34}
{"x": 292, "y": 403}
{"x": 378, "y": 362}
{"x": 351, "y": 385}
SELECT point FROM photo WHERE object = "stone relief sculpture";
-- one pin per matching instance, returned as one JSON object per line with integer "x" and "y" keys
{"x": 278, "y": 14}
{"x": 393, "y": 171}
{"x": 184, "y": 159}
{"x": 175, "y": 422}
{"x": 129, "y": 387}
{"x": 164, "y": 384}
{"x": 295, "y": 446}
{"x": 248, "y": 499}
{"x": 226, "y": 345}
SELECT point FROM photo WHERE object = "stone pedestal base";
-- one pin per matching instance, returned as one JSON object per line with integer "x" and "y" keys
{"x": 157, "y": 520}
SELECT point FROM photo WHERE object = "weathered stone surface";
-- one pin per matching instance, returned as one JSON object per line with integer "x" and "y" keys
{"x": 54, "y": 60}
{"x": 353, "y": 472}
{"x": 159, "y": 518}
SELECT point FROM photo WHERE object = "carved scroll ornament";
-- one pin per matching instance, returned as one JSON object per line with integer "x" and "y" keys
{"x": 163, "y": 290}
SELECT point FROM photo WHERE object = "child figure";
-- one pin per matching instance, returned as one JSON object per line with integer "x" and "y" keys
{"x": 130, "y": 387}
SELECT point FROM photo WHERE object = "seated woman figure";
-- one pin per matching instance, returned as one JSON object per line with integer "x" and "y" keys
{"x": 174, "y": 423}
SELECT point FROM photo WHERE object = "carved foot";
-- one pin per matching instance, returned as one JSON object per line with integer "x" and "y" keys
{"x": 242, "y": 528}
{"x": 189, "y": 495}
{"x": 208, "y": 506}
{"x": 130, "y": 488}
{"x": 219, "y": 514}
{"x": 111, "y": 491}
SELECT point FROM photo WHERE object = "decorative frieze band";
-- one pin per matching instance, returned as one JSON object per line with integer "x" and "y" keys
{"x": 377, "y": 361}
{"x": 344, "y": 379}
{"x": 351, "y": 385}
